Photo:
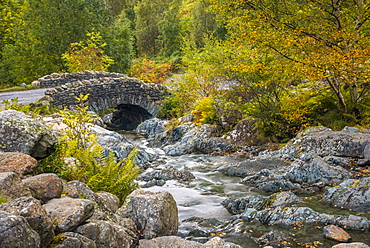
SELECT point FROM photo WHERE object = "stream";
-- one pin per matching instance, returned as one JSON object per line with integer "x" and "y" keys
{"x": 202, "y": 196}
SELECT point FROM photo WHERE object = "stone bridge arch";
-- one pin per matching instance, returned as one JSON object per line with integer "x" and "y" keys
{"x": 134, "y": 100}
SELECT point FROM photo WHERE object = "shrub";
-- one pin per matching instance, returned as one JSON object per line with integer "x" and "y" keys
{"x": 205, "y": 111}
{"x": 150, "y": 71}
{"x": 87, "y": 55}
{"x": 80, "y": 157}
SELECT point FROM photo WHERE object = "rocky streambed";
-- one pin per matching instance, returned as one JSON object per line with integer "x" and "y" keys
{"x": 313, "y": 192}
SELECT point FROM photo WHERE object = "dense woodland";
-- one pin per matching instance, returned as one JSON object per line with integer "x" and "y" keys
{"x": 283, "y": 64}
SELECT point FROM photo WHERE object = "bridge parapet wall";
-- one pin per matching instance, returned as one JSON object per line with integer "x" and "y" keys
{"x": 107, "y": 92}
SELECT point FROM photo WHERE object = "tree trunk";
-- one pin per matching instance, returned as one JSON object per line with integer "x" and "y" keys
{"x": 335, "y": 85}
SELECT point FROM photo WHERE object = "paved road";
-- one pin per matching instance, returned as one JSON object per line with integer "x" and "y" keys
{"x": 24, "y": 97}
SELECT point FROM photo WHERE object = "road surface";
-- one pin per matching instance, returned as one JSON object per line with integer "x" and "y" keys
{"x": 24, "y": 97}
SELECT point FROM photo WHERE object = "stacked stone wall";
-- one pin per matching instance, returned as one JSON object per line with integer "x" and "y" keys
{"x": 106, "y": 90}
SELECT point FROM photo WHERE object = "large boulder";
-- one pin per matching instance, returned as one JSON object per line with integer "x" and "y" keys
{"x": 15, "y": 232}
{"x": 71, "y": 239}
{"x": 184, "y": 139}
{"x": 21, "y": 133}
{"x": 104, "y": 202}
{"x": 108, "y": 234}
{"x": 36, "y": 216}
{"x": 245, "y": 134}
{"x": 352, "y": 195}
{"x": 154, "y": 213}
{"x": 253, "y": 166}
{"x": 12, "y": 187}
{"x": 291, "y": 216}
{"x": 45, "y": 186}
{"x": 350, "y": 142}
{"x": 174, "y": 241}
{"x": 316, "y": 171}
{"x": 17, "y": 162}
{"x": 69, "y": 212}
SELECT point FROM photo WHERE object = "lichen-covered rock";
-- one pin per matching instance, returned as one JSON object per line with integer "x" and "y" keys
{"x": 167, "y": 174}
{"x": 20, "y": 133}
{"x": 12, "y": 187}
{"x": 45, "y": 186}
{"x": 36, "y": 216}
{"x": 17, "y": 162}
{"x": 110, "y": 201}
{"x": 69, "y": 212}
{"x": 15, "y": 232}
{"x": 290, "y": 216}
{"x": 336, "y": 233}
{"x": 71, "y": 240}
{"x": 259, "y": 202}
{"x": 316, "y": 171}
{"x": 275, "y": 238}
{"x": 245, "y": 134}
{"x": 154, "y": 213}
{"x": 326, "y": 142}
{"x": 184, "y": 139}
{"x": 253, "y": 166}
{"x": 174, "y": 241}
{"x": 354, "y": 195}
{"x": 270, "y": 182}
{"x": 366, "y": 159}
{"x": 108, "y": 234}
{"x": 77, "y": 189}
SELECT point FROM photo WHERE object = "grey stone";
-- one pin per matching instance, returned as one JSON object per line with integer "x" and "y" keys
{"x": 72, "y": 240}
{"x": 20, "y": 133}
{"x": 326, "y": 142}
{"x": 290, "y": 216}
{"x": 174, "y": 241}
{"x": 36, "y": 216}
{"x": 351, "y": 197}
{"x": 316, "y": 171}
{"x": 366, "y": 159}
{"x": 15, "y": 232}
{"x": 108, "y": 234}
{"x": 110, "y": 201}
{"x": 154, "y": 213}
{"x": 45, "y": 186}
{"x": 253, "y": 166}
{"x": 275, "y": 238}
{"x": 69, "y": 212}
{"x": 12, "y": 187}
{"x": 77, "y": 189}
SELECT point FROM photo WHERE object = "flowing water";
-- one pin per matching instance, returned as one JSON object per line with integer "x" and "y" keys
{"x": 203, "y": 195}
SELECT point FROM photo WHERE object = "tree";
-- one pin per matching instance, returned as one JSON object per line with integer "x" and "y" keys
{"x": 119, "y": 44}
{"x": 87, "y": 55}
{"x": 153, "y": 26}
{"x": 47, "y": 29}
{"x": 326, "y": 40}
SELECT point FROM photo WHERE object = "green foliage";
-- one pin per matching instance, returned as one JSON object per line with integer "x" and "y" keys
{"x": 205, "y": 111}
{"x": 46, "y": 30}
{"x": 87, "y": 55}
{"x": 15, "y": 88}
{"x": 119, "y": 44}
{"x": 3, "y": 199}
{"x": 33, "y": 109}
{"x": 80, "y": 157}
{"x": 150, "y": 71}
{"x": 157, "y": 27}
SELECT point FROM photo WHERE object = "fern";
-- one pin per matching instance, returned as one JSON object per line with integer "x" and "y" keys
{"x": 92, "y": 165}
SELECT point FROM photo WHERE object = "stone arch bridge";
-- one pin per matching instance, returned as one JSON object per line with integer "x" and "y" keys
{"x": 134, "y": 100}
